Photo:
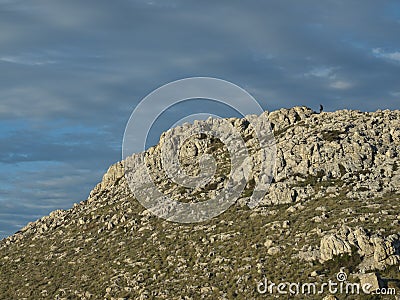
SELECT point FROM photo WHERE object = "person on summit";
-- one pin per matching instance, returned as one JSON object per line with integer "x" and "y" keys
{"x": 321, "y": 108}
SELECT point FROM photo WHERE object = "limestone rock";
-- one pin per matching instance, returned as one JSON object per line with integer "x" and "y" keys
{"x": 330, "y": 297}
{"x": 377, "y": 252}
{"x": 332, "y": 245}
{"x": 274, "y": 250}
{"x": 370, "y": 281}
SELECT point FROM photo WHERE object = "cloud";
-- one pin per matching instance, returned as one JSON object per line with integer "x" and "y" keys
{"x": 329, "y": 75}
{"x": 378, "y": 52}
{"x": 322, "y": 72}
{"x": 26, "y": 60}
{"x": 341, "y": 85}
{"x": 53, "y": 142}
{"x": 34, "y": 189}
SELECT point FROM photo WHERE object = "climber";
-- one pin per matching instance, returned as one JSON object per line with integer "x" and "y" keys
{"x": 321, "y": 108}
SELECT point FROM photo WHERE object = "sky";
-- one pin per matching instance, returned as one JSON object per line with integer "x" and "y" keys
{"x": 71, "y": 73}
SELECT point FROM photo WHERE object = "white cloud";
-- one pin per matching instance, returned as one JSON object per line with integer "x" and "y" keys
{"x": 328, "y": 74}
{"x": 378, "y": 52}
{"x": 341, "y": 85}
{"x": 322, "y": 72}
{"x": 21, "y": 60}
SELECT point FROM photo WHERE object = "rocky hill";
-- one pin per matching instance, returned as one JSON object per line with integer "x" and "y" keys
{"x": 333, "y": 206}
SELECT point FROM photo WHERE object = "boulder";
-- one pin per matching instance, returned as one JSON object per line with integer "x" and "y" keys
{"x": 332, "y": 245}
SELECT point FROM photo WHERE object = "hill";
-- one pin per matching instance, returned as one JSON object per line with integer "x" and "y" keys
{"x": 333, "y": 206}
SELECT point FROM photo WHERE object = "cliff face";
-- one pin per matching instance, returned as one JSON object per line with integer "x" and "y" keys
{"x": 334, "y": 202}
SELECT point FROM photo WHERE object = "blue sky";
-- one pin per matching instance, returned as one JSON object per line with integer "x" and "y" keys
{"x": 71, "y": 72}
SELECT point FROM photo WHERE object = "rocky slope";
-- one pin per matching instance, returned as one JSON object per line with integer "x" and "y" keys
{"x": 333, "y": 205}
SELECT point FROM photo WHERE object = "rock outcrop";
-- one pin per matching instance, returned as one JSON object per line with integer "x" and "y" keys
{"x": 376, "y": 251}
{"x": 332, "y": 245}
{"x": 111, "y": 177}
